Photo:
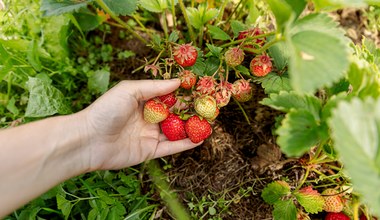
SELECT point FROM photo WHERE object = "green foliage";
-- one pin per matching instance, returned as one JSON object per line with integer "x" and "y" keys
{"x": 201, "y": 15}
{"x": 284, "y": 210}
{"x": 311, "y": 203}
{"x": 156, "y": 5}
{"x": 274, "y": 192}
{"x": 122, "y": 7}
{"x": 56, "y": 7}
{"x": 217, "y": 33}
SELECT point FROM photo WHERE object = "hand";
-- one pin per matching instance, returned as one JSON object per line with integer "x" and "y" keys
{"x": 116, "y": 135}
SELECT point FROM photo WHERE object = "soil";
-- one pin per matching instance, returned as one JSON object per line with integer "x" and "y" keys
{"x": 240, "y": 158}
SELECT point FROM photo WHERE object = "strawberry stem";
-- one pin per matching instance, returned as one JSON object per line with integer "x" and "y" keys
{"x": 242, "y": 109}
{"x": 247, "y": 39}
{"x": 191, "y": 31}
{"x": 304, "y": 178}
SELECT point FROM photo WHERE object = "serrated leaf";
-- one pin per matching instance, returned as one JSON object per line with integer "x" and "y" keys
{"x": 64, "y": 205}
{"x": 364, "y": 79}
{"x": 212, "y": 65}
{"x": 287, "y": 101}
{"x": 156, "y": 6}
{"x": 103, "y": 195}
{"x": 319, "y": 53}
{"x": 237, "y": 26}
{"x": 217, "y": 33}
{"x": 122, "y": 7}
{"x": 310, "y": 199}
{"x": 356, "y": 133}
{"x": 280, "y": 54}
{"x": 282, "y": 11}
{"x": 57, "y": 7}
{"x": 244, "y": 70}
{"x": 274, "y": 83}
{"x": 44, "y": 99}
{"x": 99, "y": 81}
{"x": 274, "y": 191}
{"x": 173, "y": 37}
{"x": 215, "y": 51}
{"x": 284, "y": 210}
{"x": 299, "y": 131}
{"x": 200, "y": 16}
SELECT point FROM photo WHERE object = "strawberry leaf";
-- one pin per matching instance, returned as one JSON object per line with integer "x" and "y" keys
{"x": 364, "y": 79}
{"x": 356, "y": 133}
{"x": 310, "y": 200}
{"x": 122, "y": 7}
{"x": 237, "y": 26}
{"x": 334, "y": 5}
{"x": 156, "y": 6}
{"x": 282, "y": 11}
{"x": 217, "y": 33}
{"x": 56, "y": 7}
{"x": 319, "y": 53}
{"x": 284, "y": 210}
{"x": 299, "y": 131}
{"x": 274, "y": 191}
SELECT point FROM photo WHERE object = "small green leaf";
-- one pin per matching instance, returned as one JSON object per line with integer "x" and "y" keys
{"x": 200, "y": 16}
{"x": 237, "y": 26}
{"x": 287, "y": 101}
{"x": 310, "y": 199}
{"x": 44, "y": 99}
{"x": 356, "y": 133}
{"x": 274, "y": 191}
{"x": 212, "y": 65}
{"x": 122, "y": 7}
{"x": 33, "y": 56}
{"x": 282, "y": 11}
{"x": 57, "y": 7}
{"x": 215, "y": 51}
{"x": 64, "y": 205}
{"x": 284, "y": 210}
{"x": 274, "y": 83}
{"x": 103, "y": 195}
{"x": 211, "y": 210}
{"x": 299, "y": 132}
{"x": 364, "y": 79}
{"x": 173, "y": 37}
{"x": 87, "y": 20}
{"x": 99, "y": 81}
{"x": 280, "y": 54}
{"x": 217, "y": 33}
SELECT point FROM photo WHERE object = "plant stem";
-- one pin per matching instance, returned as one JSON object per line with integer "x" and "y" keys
{"x": 142, "y": 26}
{"x": 304, "y": 179}
{"x": 165, "y": 25}
{"x": 121, "y": 22}
{"x": 266, "y": 46}
{"x": 234, "y": 11}
{"x": 173, "y": 15}
{"x": 221, "y": 12}
{"x": 242, "y": 109}
{"x": 191, "y": 31}
{"x": 247, "y": 39}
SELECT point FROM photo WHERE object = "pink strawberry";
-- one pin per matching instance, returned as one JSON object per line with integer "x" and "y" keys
{"x": 197, "y": 129}
{"x": 242, "y": 90}
{"x": 169, "y": 99}
{"x": 223, "y": 94}
{"x": 252, "y": 43}
{"x": 155, "y": 111}
{"x": 333, "y": 201}
{"x": 261, "y": 65}
{"x": 336, "y": 216}
{"x": 173, "y": 127}
{"x": 206, "y": 85}
{"x": 234, "y": 56}
{"x": 188, "y": 79}
{"x": 205, "y": 106}
{"x": 185, "y": 55}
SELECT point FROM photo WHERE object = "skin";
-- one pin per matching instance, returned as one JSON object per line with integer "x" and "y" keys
{"x": 110, "y": 134}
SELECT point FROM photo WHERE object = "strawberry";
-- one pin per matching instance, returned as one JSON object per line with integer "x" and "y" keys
{"x": 169, "y": 99}
{"x": 261, "y": 65}
{"x": 223, "y": 94}
{"x": 234, "y": 56}
{"x": 242, "y": 90}
{"x": 197, "y": 129}
{"x": 336, "y": 216}
{"x": 173, "y": 127}
{"x": 188, "y": 79}
{"x": 155, "y": 111}
{"x": 185, "y": 55}
{"x": 333, "y": 201}
{"x": 206, "y": 85}
{"x": 205, "y": 106}
{"x": 252, "y": 43}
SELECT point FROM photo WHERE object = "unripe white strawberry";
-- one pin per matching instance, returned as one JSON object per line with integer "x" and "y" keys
{"x": 333, "y": 201}
{"x": 205, "y": 106}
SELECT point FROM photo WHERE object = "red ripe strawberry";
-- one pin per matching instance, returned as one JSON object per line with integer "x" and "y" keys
{"x": 169, "y": 99}
{"x": 261, "y": 65}
{"x": 336, "y": 216}
{"x": 197, "y": 129}
{"x": 234, "y": 56}
{"x": 155, "y": 111}
{"x": 205, "y": 106}
{"x": 185, "y": 55}
{"x": 242, "y": 90}
{"x": 206, "y": 85}
{"x": 333, "y": 201}
{"x": 188, "y": 79}
{"x": 173, "y": 127}
{"x": 253, "y": 43}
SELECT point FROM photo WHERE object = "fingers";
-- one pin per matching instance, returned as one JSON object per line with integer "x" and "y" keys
{"x": 147, "y": 89}
{"x": 166, "y": 148}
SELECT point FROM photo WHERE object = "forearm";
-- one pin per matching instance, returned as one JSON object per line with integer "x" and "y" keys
{"x": 37, "y": 156}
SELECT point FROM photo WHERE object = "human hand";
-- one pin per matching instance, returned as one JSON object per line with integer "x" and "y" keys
{"x": 116, "y": 135}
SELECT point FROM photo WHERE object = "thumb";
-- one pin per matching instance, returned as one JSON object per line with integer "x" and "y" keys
{"x": 147, "y": 89}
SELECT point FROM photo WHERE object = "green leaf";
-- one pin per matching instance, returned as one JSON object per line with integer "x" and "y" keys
{"x": 299, "y": 131}
{"x": 44, "y": 99}
{"x": 310, "y": 199}
{"x": 173, "y": 37}
{"x": 212, "y": 65}
{"x": 280, "y": 54}
{"x": 200, "y": 16}
{"x": 215, "y": 51}
{"x": 87, "y": 20}
{"x": 238, "y": 26}
{"x": 156, "y": 6}
{"x": 284, "y": 210}
{"x": 122, "y": 7}
{"x": 99, "y": 81}
{"x": 11, "y": 106}
{"x": 103, "y": 195}
{"x": 335, "y": 4}
{"x": 57, "y": 7}
{"x": 287, "y": 101}
{"x": 297, "y": 5}
{"x": 274, "y": 83}
{"x": 217, "y": 33}
{"x": 364, "y": 79}
{"x": 356, "y": 133}
{"x": 282, "y": 11}
{"x": 274, "y": 191}
{"x": 64, "y": 205}
{"x": 33, "y": 56}
{"x": 319, "y": 53}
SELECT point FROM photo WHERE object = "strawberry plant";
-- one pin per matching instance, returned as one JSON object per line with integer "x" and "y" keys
{"x": 323, "y": 87}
